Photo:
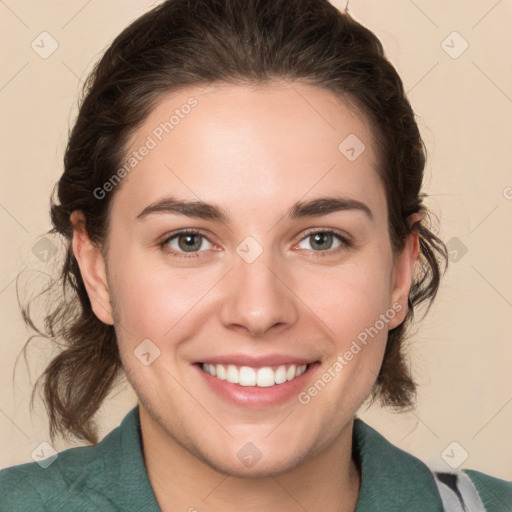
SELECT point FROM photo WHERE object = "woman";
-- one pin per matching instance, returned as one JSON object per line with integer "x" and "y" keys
{"x": 247, "y": 242}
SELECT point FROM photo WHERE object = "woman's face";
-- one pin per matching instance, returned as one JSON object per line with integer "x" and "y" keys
{"x": 267, "y": 277}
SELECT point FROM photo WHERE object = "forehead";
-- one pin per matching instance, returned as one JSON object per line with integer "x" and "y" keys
{"x": 252, "y": 145}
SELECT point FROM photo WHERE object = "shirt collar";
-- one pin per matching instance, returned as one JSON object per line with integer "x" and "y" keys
{"x": 392, "y": 479}
{"x": 135, "y": 491}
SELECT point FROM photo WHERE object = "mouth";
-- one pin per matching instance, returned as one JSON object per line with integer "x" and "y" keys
{"x": 256, "y": 382}
{"x": 248, "y": 376}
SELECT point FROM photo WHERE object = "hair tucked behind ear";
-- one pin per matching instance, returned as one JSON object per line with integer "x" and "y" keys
{"x": 198, "y": 42}
{"x": 80, "y": 377}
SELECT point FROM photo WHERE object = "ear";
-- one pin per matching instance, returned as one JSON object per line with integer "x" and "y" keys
{"x": 92, "y": 267}
{"x": 403, "y": 272}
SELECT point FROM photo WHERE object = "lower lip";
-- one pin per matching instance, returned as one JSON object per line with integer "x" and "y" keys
{"x": 258, "y": 397}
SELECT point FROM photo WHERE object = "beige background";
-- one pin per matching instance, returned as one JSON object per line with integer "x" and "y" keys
{"x": 461, "y": 354}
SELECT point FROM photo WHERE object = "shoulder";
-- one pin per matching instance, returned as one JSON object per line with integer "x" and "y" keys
{"x": 495, "y": 493}
{"x": 391, "y": 478}
{"x": 397, "y": 479}
{"x": 74, "y": 479}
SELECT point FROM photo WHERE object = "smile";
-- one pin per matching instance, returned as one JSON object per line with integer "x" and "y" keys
{"x": 264, "y": 377}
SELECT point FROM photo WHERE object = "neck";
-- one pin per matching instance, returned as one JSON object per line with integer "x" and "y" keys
{"x": 329, "y": 480}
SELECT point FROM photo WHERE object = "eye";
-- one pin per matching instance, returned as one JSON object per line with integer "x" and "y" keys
{"x": 185, "y": 243}
{"x": 322, "y": 241}
{"x": 189, "y": 243}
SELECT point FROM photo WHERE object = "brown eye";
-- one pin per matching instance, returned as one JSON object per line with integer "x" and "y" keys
{"x": 324, "y": 240}
{"x": 186, "y": 244}
{"x": 189, "y": 242}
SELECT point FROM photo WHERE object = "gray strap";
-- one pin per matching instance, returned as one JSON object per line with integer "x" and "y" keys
{"x": 458, "y": 493}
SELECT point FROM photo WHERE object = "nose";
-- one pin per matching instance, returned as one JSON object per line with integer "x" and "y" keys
{"x": 259, "y": 297}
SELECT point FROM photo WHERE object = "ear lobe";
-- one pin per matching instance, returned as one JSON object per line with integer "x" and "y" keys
{"x": 405, "y": 264}
{"x": 92, "y": 267}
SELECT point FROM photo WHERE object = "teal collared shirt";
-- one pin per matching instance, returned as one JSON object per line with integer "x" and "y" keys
{"x": 111, "y": 476}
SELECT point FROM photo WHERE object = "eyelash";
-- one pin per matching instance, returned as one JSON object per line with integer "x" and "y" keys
{"x": 317, "y": 254}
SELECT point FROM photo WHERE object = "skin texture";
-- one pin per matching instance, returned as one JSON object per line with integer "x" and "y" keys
{"x": 253, "y": 151}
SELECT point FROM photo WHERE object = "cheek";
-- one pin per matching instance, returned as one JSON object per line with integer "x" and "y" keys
{"x": 351, "y": 298}
{"x": 152, "y": 299}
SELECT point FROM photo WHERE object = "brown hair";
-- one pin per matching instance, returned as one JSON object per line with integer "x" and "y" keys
{"x": 191, "y": 42}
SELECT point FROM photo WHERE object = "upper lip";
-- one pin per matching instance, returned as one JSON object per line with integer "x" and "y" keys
{"x": 257, "y": 361}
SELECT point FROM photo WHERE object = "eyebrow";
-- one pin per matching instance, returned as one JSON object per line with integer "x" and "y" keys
{"x": 201, "y": 210}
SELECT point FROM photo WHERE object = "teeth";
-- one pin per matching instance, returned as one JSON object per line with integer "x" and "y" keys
{"x": 221, "y": 372}
{"x": 262, "y": 377}
{"x": 280, "y": 375}
{"x": 246, "y": 376}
